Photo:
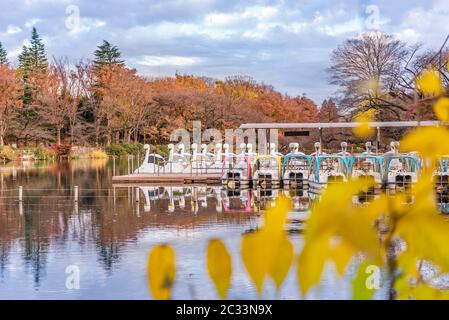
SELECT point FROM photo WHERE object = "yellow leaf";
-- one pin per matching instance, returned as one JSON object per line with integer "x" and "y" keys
{"x": 342, "y": 254}
{"x": 427, "y": 141}
{"x": 364, "y": 130}
{"x": 408, "y": 264}
{"x": 219, "y": 266}
{"x": 311, "y": 262}
{"x": 360, "y": 289}
{"x": 334, "y": 217}
{"x": 282, "y": 261}
{"x": 276, "y": 216}
{"x": 431, "y": 244}
{"x": 261, "y": 249}
{"x": 430, "y": 83}
{"x": 441, "y": 109}
{"x": 161, "y": 271}
{"x": 255, "y": 258}
{"x": 425, "y": 292}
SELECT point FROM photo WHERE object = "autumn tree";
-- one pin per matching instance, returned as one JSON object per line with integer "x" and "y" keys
{"x": 127, "y": 97}
{"x": 328, "y": 111}
{"x": 51, "y": 98}
{"x": 78, "y": 84}
{"x": 10, "y": 99}
{"x": 368, "y": 70}
{"x": 107, "y": 56}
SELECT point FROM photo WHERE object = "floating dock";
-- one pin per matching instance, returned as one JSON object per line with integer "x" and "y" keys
{"x": 168, "y": 179}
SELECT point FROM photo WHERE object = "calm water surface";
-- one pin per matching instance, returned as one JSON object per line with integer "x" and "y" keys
{"x": 108, "y": 234}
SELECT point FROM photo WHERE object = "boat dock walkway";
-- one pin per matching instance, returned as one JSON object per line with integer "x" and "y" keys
{"x": 168, "y": 178}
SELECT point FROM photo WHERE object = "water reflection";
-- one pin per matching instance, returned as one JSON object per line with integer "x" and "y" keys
{"x": 109, "y": 230}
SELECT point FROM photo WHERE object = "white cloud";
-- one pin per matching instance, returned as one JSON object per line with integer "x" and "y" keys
{"x": 12, "y": 29}
{"x": 408, "y": 35}
{"x": 85, "y": 25}
{"x": 155, "y": 61}
{"x": 32, "y": 22}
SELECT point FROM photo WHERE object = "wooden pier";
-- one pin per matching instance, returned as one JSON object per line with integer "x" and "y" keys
{"x": 168, "y": 179}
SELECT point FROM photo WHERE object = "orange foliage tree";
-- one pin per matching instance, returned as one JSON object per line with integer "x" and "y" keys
{"x": 10, "y": 102}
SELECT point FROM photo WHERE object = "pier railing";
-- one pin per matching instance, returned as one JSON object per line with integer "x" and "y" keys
{"x": 192, "y": 167}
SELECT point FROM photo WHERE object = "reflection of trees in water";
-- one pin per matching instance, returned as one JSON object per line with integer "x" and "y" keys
{"x": 51, "y": 222}
{"x": 4, "y": 251}
{"x": 35, "y": 250}
{"x": 109, "y": 255}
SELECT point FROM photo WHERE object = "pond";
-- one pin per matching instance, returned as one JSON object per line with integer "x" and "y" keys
{"x": 107, "y": 234}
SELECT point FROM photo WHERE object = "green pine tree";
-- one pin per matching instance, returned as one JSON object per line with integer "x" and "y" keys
{"x": 32, "y": 60}
{"x": 107, "y": 55}
{"x": 3, "y": 55}
{"x": 36, "y": 51}
{"x": 25, "y": 66}
{"x": 33, "y": 57}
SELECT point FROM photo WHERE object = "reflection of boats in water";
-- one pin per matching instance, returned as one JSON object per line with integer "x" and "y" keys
{"x": 265, "y": 198}
{"x": 173, "y": 194}
{"x": 237, "y": 200}
{"x": 220, "y": 199}
{"x": 400, "y": 169}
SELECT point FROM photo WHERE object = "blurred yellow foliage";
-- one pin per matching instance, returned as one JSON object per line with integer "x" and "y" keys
{"x": 269, "y": 252}
{"x": 429, "y": 142}
{"x": 441, "y": 109}
{"x": 161, "y": 271}
{"x": 364, "y": 130}
{"x": 219, "y": 266}
{"x": 336, "y": 230}
{"x": 430, "y": 83}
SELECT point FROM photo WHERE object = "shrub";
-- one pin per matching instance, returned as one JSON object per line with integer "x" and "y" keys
{"x": 97, "y": 154}
{"x": 7, "y": 153}
{"x": 124, "y": 149}
{"x": 61, "y": 150}
{"x": 160, "y": 149}
{"x": 116, "y": 150}
{"x": 41, "y": 153}
{"x": 133, "y": 148}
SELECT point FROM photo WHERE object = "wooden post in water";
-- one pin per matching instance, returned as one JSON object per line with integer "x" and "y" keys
{"x": 20, "y": 193}
{"x": 137, "y": 194}
{"x": 75, "y": 191}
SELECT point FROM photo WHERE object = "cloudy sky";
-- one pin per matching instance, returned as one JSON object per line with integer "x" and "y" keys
{"x": 285, "y": 43}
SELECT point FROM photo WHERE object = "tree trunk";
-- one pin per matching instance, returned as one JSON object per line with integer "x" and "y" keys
{"x": 58, "y": 135}
{"x": 2, "y": 133}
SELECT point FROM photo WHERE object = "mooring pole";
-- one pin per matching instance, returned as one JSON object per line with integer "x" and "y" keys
{"x": 20, "y": 193}
{"x": 75, "y": 193}
{"x": 137, "y": 194}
